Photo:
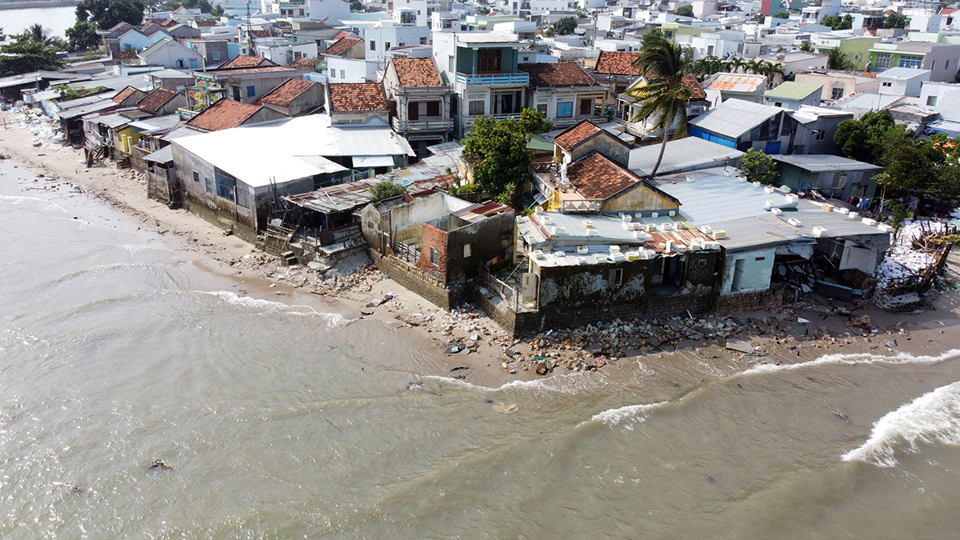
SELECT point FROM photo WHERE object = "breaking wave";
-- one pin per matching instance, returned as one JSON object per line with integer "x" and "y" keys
{"x": 268, "y": 306}
{"x": 931, "y": 418}
{"x": 103, "y": 268}
{"x": 857, "y": 358}
{"x": 43, "y": 203}
{"x": 636, "y": 413}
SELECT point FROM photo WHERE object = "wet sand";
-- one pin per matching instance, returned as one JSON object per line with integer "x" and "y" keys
{"x": 222, "y": 262}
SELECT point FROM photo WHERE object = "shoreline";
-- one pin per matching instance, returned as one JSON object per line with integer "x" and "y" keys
{"x": 681, "y": 353}
{"x": 38, "y": 4}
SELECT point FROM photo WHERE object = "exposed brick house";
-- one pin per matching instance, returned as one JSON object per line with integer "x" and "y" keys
{"x": 357, "y": 103}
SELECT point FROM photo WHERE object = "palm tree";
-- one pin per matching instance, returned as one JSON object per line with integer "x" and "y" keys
{"x": 753, "y": 66}
{"x": 734, "y": 64}
{"x": 36, "y": 33}
{"x": 664, "y": 97}
{"x": 837, "y": 60}
{"x": 771, "y": 70}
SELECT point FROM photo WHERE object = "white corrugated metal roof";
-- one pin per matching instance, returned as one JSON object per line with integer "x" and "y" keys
{"x": 734, "y": 117}
{"x": 681, "y": 155}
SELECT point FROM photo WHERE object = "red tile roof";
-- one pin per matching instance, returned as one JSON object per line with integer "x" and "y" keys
{"x": 417, "y": 72}
{"x": 247, "y": 62}
{"x": 341, "y": 46}
{"x": 124, "y": 94}
{"x": 617, "y": 63}
{"x": 596, "y": 177}
{"x": 341, "y": 35}
{"x": 357, "y": 97}
{"x": 691, "y": 82}
{"x": 125, "y": 55}
{"x": 573, "y": 135}
{"x": 152, "y": 102}
{"x": 261, "y": 33}
{"x": 224, "y": 114}
{"x": 207, "y": 22}
{"x": 305, "y": 63}
{"x": 282, "y": 95}
{"x": 557, "y": 74}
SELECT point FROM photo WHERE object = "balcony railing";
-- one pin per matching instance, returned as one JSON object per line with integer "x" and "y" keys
{"x": 502, "y": 78}
{"x": 422, "y": 125}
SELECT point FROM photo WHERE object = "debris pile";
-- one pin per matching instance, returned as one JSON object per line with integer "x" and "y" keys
{"x": 911, "y": 265}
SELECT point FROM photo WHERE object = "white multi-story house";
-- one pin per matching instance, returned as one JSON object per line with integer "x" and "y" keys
{"x": 719, "y": 44}
{"x": 482, "y": 67}
{"x": 388, "y": 34}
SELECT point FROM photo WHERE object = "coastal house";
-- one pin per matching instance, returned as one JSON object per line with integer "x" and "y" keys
{"x": 171, "y": 54}
{"x": 295, "y": 97}
{"x": 628, "y": 106}
{"x": 227, "y": 114}
{"x": 940, "y": 58}
{"x": 838, "y": 84}
{"x": 420, "y": 102}
{"x": 775, "y": 243}
{"x": 134, "y": 40}
{"x": 562, "y": 91}
{"x": 128, "y": 97}
{"x": 482, "y": 66}
{"x": 831, "y": 176}
{"x": 347, "y": 62}
{"x": 821, "y": 124}
{"x": 904, "y": 82}
{"x": 616, "y": 71}
{"x": 215, "y": 52}
{"x": 682, "y": 155}
{"x": 246, "y": 62}
{"x": 357, "y": 103}
{"x": 247, "y": 85}
{"x": 434, "y": 241}
{"x": 791, "y": 95}
{"x": 161, "y": 101}
{"x": 743, "y": 125}
{"x": 725, "y": 86}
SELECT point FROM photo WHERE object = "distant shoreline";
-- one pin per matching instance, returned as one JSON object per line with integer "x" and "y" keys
{"x": 38, "y": 4}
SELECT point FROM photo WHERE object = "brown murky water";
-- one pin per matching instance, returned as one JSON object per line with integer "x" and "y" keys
{"x": 280, "y": 422}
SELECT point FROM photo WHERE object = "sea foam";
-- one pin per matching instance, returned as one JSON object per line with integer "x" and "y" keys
{"x": 637, "y": 413}
{"x": 931, "y": 418}
{"x": 268, "y": 306}
{"x": 856, "y": 358}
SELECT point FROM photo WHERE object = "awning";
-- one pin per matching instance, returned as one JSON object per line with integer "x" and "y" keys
{"x": 372, "y": 161}
{"x": 163, "y": 155}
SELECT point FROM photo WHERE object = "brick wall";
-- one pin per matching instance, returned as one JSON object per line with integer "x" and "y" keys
{"x": 422, "y": 284}
{"x": 735, "y": 303}
{"x": 434, "y": 238}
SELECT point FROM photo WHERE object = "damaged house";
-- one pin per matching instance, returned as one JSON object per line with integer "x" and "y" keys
{"x": 431, "y": 242}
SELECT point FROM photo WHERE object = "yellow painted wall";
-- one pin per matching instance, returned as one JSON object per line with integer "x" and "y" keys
{"x": 638, "y": 199}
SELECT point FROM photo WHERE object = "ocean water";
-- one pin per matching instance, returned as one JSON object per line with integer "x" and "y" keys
{"x": 55, "y": 19}
{"x": 282, "y": 422}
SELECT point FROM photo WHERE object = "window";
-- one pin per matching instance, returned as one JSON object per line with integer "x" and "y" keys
{"x": 564, "y": 110}
{"x": 373, "y": 45}
{"x": 883, "y": 60}
{"x": 196, "y": 176}
{"x": 887, "y": 85}
{"x": 226, "y": 185}
{"x": 236, "y": 93}
{"x": 251, "y": 91}
{"x": 434, "y": 257}
{"x": 433, "y": 108}
{"x": 179, "y": 63}
{"x": 933, "y": 66}
{"x": 489, "y": 61}
{"x": 836, "y": 93}
{"x": 910, "y": 61}
{"x": 948, "y": 65}
{"x": 476, "y": 108}
{"x": 542, "y": 108}
{"x": 931, "y": 100}
{"x": 615, "y": 278}
{"x": 386, "y": 46}
{"x": 301, "y": 13}
{"x": 585, "y": 106}
{"x": 193, "y": 63}
{"x": 777, "y": 104}
{"x": 216, "y": 55}
{"x": 423, "y": 41}
{"x": 467, "y": 251}
{"x": 820, "y": 135}
{"x": 343, "y": 74}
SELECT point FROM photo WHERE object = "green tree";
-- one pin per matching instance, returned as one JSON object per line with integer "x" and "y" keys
{"x": 781, "y": 15}
{"x": 759, "y": 167}
{"x": 483, "y": 10}
{"x": 533, "y": 121}
{"x": 664, "y": 97}
{"x": 684, "y": 11}
{"x": 356, "y": 5}
{"x": 30, "y": 52}
{"x": 385, "y": 189}
{"x": 806, "y": 47}
{"x": 895, "y": 20}
{"x": 565, "y": 26}
{"x": 108, "y": 13}
{"x": 837, "y": 60}
{"x": 204, "y": 6}
{"x": 82, "y": 36}
{"x": 863, "y": 140}
{"x": 498, "y": 152}
{"x": 218, "y": 12}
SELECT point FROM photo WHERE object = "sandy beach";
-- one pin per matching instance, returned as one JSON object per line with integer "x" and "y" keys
{"x": 685, "y": 352}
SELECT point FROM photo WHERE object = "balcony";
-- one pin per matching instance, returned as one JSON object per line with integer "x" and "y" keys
{"x": 431, "y": 125}
{"x": 510, "y": 79}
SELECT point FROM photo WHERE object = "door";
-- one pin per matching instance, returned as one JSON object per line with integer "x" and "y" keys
{"x": 413, "y": 111}
{"x": 737, "y": 275}
{"x": 773, "y": 147}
